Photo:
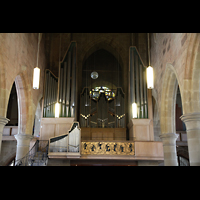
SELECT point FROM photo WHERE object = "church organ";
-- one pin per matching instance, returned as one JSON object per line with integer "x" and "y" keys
{"x": 67, "y": 85}
{"x": 102, "y": 108}
{"x": 137, "y": 84}
{"x": 50, "y": 95}
{"x": 65, "y": 90}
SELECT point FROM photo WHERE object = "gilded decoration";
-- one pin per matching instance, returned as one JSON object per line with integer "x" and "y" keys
{"x": 107, "y": 148}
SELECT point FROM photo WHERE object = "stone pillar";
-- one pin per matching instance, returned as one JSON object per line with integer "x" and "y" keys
{"x": 192, "y": 122}
{"x": 169, "y": 148}
{"x": 3, "y": 122}
{"x": 23, "y": 143}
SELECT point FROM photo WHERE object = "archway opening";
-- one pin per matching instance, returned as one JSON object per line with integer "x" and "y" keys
{"x": 172, "y": 129}
{"x": 12, "y": 109}
{"x": 8, "y": 149}
{"x": 180, "y": 125}
{"x": 181, "y": 143}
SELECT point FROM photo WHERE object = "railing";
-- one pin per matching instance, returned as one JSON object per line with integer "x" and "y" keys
{"x": 108, "y": 148}
{"x": 68, "y": 143}
{"x": 37, "y": 156}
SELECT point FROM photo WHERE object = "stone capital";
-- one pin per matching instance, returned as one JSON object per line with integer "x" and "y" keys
{"x": 3, "y": 122}
{"x": 192, "y": 120}
{"x": 169, "y": 139}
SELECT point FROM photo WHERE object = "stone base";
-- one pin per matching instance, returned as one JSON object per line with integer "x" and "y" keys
{"x": 169, "y": 148}
{"x": 192, "y": 121}
{"x": 23, "y": 143}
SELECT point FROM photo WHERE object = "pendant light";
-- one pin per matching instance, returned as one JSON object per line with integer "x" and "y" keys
{"x": 36, "y": 71}
{"x": 57, "y": 105}
{"x": 149, "y": 71}
{"x": 94, "y": 75}
{"x": 134, "y": 110}
{"x": 57, "y": 109}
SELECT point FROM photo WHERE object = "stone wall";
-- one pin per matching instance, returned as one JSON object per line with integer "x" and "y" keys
{"x": 18, "y": 55}
{"x": 178, "y": 51}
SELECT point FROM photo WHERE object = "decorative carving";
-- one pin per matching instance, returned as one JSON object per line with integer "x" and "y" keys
{"x": 108, "y": 148}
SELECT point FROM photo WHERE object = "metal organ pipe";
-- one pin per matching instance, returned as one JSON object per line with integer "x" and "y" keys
{"x": 141, "y": 91}
{"x": 138, "y": 87}
{"x": 61, "y": 85}
{"x": 145, "y": 94}
{"x": 45, "y": 99}
{"x": 73, "y": 90}
{"x": 67, "y": 86}
{"x": 68, "y": 81}
{"x": 64, "y": 89}
{"x": 137, "y": 83}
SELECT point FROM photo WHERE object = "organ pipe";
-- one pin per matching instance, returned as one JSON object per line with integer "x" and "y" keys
{"x": 137, "y": 84}
{"x": 67, "y": 86}
{"x": 68, "y": 78}
{"x": 141, "y": 91}
{"x": 50, "y": 91}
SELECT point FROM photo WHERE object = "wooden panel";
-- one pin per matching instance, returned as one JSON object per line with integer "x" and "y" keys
{"x": 47, "y": 131}
{"x": 103, "y": 133}
{"x": 85, "y": 133}
{"x": 51, "y": 127}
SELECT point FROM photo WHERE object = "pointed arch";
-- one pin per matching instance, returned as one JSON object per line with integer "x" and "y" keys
{"x": 106, "y": 43}
{"x": 168, "y": 100}
{"x": 25, "y": 109}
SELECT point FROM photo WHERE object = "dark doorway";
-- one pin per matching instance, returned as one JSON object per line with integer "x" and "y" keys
{"x": 12, "y": 109}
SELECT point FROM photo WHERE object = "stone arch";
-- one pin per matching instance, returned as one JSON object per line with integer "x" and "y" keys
{"x": 191, "y": 98}
{"x": 25, "y": 121}
{"x": 3, "y": 93}
{"x": 195, "y": 106}
{"x": 168, "y": 100}
{"x": 106, "y": 43}
{"x": 156, "y": 117}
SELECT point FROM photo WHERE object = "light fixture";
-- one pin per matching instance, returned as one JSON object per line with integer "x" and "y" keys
{"x": 36, "y": 70}
{"x": 94, "y": 75}
{"x": 150, "y": 84}
{"x": 36, "y": 78}
{"x": 57, "y": 109}
{"x": 134, "y": 110}
{"x": 149, "y": 71}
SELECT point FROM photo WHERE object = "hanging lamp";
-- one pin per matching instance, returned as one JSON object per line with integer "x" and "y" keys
{"x": 134, "y": 110}
{"x": 36, "y": 70}
{"x": 149, "y": 71}
{"x": 94, "y": 75}
{"x": 150, "y": 84}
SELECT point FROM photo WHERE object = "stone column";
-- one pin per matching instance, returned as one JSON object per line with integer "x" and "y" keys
{"x": 192, "y": 122}
{"x": 3, "y": 122}
{"x": 23, "y": 143}
{"x": 169, "y": 148}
